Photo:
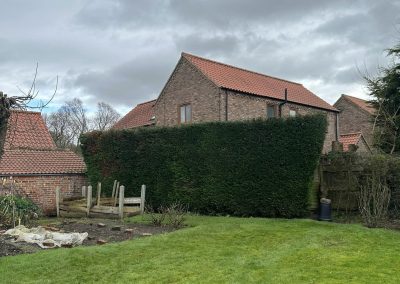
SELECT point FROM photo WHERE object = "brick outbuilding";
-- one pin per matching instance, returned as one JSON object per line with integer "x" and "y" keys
{"x": 356, "y": 116}
{"x": 37, "y": 166}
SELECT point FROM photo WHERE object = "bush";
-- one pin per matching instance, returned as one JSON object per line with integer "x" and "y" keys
{"x": 252, "y": 168}
{"x": 16, "y": 209}
{"x": 172, "y": 215}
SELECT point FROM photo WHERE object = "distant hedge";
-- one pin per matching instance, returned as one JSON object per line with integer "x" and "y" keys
{"x": 252, "y": 168}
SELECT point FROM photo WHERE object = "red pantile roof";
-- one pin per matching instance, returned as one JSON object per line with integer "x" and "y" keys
{"x": 351, "y": 138}
{"x": 363, "y": 104}
{"x": 27, "y": 129}
{"x": 238, "y": 79}
{"x": 17, "y": 162}
{"x": 29, "y": 149}
{"x": 141, "y": 115}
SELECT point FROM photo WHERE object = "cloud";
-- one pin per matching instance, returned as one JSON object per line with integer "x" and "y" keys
{"x": 130, "y": 83}
{"x": 122, "y": 52}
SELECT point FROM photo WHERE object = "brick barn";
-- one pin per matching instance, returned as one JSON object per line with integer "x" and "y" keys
{"x": 32, "y": 159}
{"x": 356, "y": 116}
{"x": 203, "y": 90}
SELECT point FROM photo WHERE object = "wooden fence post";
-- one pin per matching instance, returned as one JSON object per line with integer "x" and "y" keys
{"x": 116, "y": 194}
{"x": 58, "y": 200}
{"x": 114, "y": 188}
{"x": 88, "y": 199}
{"x": 121, "y": 201}
{"x": 142, "y": 198}
{"x": 83, "y": 191}
{"x": 98, "y": 193}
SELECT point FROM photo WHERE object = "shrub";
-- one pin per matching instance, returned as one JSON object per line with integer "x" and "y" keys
{"x": 16, "y": 209}
{"x": 252, "y": 168}
{"x": 172, "y": 215}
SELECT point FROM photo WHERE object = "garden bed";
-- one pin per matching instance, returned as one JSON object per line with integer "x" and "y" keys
{"x": 100, "y": 231}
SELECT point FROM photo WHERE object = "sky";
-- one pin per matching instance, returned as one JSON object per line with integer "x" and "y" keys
{"x": 122, "y": 52}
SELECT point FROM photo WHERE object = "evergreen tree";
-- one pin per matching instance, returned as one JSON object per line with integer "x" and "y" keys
{"x": 385, "y": 90}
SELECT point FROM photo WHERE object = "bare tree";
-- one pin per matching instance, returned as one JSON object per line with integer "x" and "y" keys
{"x": 60, "y": 129}
{"x": 68, "y": 123}
{"x": 23, "y": 102}
{"x": 106, "y": 116}
{"x": 78, "y": 120}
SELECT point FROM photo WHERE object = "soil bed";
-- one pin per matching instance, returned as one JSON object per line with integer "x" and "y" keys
{"x": 100, "y": 231}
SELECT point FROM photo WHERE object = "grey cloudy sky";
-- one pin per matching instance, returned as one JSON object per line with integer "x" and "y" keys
{"x": 123, "y": 51}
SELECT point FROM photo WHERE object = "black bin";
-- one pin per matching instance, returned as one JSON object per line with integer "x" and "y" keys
{"x": 325, "y": 210}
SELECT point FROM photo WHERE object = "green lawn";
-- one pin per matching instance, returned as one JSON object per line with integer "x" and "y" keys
{"x": 224, "y": 250}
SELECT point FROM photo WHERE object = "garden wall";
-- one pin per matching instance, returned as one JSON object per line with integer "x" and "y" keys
{"x": 340, "y": 174}
{"x": 253, "y": 168}
{"x": 41, "y": 189}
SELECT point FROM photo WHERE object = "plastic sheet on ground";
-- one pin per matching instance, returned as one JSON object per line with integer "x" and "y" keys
{"x": 46, "y": 239}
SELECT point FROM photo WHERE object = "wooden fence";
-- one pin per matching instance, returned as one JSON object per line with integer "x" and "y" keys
{"x": 117, "y": 206}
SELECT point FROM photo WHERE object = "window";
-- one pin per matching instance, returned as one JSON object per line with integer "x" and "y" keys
{"x": 292, "y": 113}
{"x": 271, "y": 111}
{"x": 185, "y": 113}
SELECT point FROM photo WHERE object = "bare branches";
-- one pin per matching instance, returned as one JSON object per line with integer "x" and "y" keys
{"x": 71, "y": 120}
{"x": 105, "y": 117}
{"x": 24, "y": 101}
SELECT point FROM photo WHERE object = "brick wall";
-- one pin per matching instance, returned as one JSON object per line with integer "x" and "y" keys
{"x": 41, "y": 189}
{"x": 209, "y": 103}
{"x": 242, "y": 107}
{"x": 353, "y": 119}
{"x": 188, "y": 85}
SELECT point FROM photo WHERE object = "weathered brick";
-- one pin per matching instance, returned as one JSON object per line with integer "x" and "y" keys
{"x": 188, "y": 85}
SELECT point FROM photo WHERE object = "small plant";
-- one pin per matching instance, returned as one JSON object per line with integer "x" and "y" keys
{"x": 172, "y": 215}
{"x": 176, "y": 213}
{"x": 156, "y": 218}
{"x": 15, "y": 210}
{"x": 376, "y": 187}
{"x": 374, "y": 201}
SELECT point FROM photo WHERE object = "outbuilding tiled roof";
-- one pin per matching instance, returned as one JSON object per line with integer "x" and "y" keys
{"x": 351, "y": 138}
{"x": 241, "y": 80}
{"x": 26, "y": 129}
{"x": 29, "y": 149}
{"x": 20, "y": 161}
{"x": 141, "y": 115}
{"x": 363, "y": 104}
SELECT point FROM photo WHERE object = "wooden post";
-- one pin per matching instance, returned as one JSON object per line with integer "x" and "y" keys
{"x": 83, "y": 191}
{"x": 98, "y": 193}
{"x": 114, "y": 188}
{"x": 58, "y": 200}
{"x": 121, "y": 201}
{"x": 116, "y": 194}
{"x": 142, "y": 198}
{"x": 88, "y": 200}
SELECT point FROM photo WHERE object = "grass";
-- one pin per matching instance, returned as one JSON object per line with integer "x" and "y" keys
{"x": 224, "y": 250}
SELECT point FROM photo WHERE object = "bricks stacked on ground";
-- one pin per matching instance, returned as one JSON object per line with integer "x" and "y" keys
{"x": 33, "y": 160}
{"x": 220, "y": 92}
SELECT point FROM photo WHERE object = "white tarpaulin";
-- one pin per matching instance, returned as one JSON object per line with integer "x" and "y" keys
{"x": 46, "y": 239}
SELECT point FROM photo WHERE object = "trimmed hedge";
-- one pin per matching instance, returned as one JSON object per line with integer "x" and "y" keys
{"x": 252, "y": 168}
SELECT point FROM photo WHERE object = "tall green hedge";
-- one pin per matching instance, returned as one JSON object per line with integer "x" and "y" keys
{"x": 253, "y": 168}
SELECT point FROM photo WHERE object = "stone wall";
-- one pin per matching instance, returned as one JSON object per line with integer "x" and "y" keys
{"x": 41, "y": 189}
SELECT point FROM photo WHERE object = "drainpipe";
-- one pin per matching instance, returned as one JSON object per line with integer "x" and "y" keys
{"x": 337, "y": 126}
{"x": 282, "y": 103}
{"x": 226, "y": 105}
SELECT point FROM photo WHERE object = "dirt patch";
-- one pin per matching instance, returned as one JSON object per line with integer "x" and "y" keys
{"x": 101, "y": 231}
